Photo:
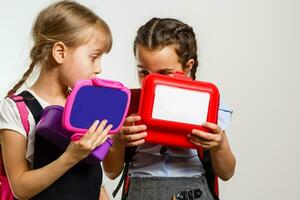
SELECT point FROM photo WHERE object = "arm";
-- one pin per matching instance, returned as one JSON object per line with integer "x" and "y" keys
{"x": 223, "y": 160}
{"x": 26, "y": 183}
{"x": 114, "y": 161}
{"x": 130, "y": 135}
{"x": 103, "y": 194}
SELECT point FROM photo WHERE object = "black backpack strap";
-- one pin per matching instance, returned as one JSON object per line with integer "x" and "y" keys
{"x": 32, "y": 104}
{"x": 209, "y": 172}
{"x": 124, "y": 175}
{"x": 129, "y": 153}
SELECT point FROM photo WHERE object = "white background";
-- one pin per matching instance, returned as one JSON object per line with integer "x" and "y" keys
{"x": 249, "y": 49}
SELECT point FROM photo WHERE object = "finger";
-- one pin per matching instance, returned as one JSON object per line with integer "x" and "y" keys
{"x": 196, "y": 143}
{"x": 91, "y": 130}
{"x": 102, "y": 136}
{"x": 134, "y": 137}
{"x": 94, "y": 126}
{"x": 136, "y": 143}
{"x": 93, "y": 136}
{"x": 101, "y": 126}
{"x": 199, "y": 140}
{"x": 132, "y": 119}
{"x": 106, "y": 130}
{"x": 204, "y": 143}
{"x": 99, "y": 129}
{"x": 205, "y": 146}
{"x": 198, "y": 134}
{"x": 100, "y": 133}
{"x": 214, "y": 127}
{"x": 133, "y": 129}
{"x": 99, "y": 141}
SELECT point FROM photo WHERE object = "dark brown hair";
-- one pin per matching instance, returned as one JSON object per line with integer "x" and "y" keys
{"x": 160, "y": 32}
{"x": 64, "y": 21}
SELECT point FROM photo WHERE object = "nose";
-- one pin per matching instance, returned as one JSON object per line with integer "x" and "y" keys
{"x": 98, "y": 69}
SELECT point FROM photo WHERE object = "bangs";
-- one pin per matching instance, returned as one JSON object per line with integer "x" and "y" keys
{"x": 101, "y": 35}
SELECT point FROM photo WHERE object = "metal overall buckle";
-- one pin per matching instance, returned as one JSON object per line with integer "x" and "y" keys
{"x": 189, "y": 194}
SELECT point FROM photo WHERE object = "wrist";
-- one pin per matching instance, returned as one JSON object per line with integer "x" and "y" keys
{"x": 118, "y": 143}
{"x": 67, "y": 160}
{"x": 222, "y": 144}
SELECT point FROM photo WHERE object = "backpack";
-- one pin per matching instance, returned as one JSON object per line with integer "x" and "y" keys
{"x": 6, "y": 193}
{"x": 77, "y": 180}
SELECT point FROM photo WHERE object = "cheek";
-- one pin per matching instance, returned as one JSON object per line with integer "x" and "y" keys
{"x": 141, "y": 79}
{"x": 80, "y": 61}
{"x": 77, "y": 73}
{"x": 178, "y": 69}
{"x": 83, "y": 67}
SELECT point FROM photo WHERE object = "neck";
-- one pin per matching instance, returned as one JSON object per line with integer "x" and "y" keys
{"x": 49, "y": 88}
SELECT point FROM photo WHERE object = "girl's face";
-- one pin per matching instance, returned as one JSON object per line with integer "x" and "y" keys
{"x": 83, "y": 62}
{"x": 162, "y": 61}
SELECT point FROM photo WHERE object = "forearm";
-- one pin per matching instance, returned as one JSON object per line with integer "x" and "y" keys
{"x": 223, "y": 160}
{"x": 32, "y": 182}
{"x": 113, "y": 163}
{"x": 130, "y": 135}
{"x": 103, "y": 194}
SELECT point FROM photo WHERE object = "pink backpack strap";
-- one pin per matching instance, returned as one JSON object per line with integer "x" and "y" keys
{"x": 22, "y": 108}
{"x": 6, "y": 193}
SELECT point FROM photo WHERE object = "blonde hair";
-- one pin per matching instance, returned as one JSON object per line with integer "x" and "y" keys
{"x": 64, "y": 21}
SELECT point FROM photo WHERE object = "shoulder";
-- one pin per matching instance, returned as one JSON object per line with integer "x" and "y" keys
{"x": 225, "y": 114}
{"x": 8, "y": 110}
{"x": 10, "y": 117}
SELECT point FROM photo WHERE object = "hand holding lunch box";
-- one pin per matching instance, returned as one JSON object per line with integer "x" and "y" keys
{"x": 90, "y": 100}
{"x": 172, "y": 106}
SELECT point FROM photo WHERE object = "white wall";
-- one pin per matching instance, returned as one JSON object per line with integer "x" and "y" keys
{"x": 248, "y": 48}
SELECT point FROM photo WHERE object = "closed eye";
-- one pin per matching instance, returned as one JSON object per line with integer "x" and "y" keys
{"x": 166, "y": 71}
{"x": 94, "y": 57}
{"x": 143, "y": 72}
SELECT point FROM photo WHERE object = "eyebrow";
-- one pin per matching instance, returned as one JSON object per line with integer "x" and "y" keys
{"x": 161, "y": 70}
{"x": 97, "y": 50}
{"x": 140, "y": 66}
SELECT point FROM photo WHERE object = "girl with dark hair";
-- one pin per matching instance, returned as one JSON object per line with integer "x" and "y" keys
{"x": 159, "y": 172}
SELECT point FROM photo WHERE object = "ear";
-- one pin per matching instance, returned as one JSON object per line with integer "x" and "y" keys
{"x": 59, "y": 52}
{"x": 188, "y": 66}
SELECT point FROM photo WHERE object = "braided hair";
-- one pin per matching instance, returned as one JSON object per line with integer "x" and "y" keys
{"x": 161, "y": 32}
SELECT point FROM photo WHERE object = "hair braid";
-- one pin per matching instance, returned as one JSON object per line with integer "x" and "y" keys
{"x": 23, "y": 80}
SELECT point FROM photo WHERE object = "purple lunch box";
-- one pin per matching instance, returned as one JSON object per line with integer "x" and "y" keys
{"x": 50, "y": 127}
{"x": 90, "y": 100}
